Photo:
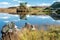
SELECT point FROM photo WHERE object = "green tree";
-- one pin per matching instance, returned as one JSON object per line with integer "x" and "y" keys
{"x": 23, "y": 10}
{"x": 23, "y": 4}
{"x": 47, "y": 10}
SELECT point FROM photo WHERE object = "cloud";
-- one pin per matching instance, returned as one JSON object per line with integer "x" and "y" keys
{"x": 58, "y": 0}
{"x": 28, "y": 5}
{"x": 43, "y": 17}
{"x": 15, "y": 0}
{"x": 53, "y": 20}
{"x": 5, "y": 3}
{"x": 54, "y": 1}
{"x": 27, "y": 15}
{"x": 44, "y": 4}
{"x": 57, "y": 20}
{"x": 19, "y": 1}
{"x": 16, "y": 5}
{"x": 16, "y": 15}
{"x": 12, "y": 20}
{"x": 16, "y": 20}
{"x": 9, "y": 4}
{"x": 6, "y": 21}
{"x": 4, "y": 17}
{"x": 7, "y": 16}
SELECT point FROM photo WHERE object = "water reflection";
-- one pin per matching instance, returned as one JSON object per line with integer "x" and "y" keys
{"x": 40, "y": 20}
{"x": 32, "y": 19}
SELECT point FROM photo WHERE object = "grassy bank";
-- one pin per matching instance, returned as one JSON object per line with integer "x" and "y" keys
{"x": 52, "y": 33}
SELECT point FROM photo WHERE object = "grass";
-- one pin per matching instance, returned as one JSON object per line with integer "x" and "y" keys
{"x": 52, "y": 33}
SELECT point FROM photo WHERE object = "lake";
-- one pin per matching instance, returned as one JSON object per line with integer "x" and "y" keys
{"x": 32, "y": 19}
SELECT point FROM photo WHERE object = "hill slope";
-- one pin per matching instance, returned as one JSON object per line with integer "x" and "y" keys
{"x": 56, "y": 5}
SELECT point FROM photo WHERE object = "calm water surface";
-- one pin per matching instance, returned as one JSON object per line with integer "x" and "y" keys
{"x": 34, "y": 20}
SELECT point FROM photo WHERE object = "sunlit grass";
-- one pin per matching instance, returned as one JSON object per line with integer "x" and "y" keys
{"x": 52, "y": 33}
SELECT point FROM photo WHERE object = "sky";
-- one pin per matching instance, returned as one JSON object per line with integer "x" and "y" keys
{"x": 10, "y": 3}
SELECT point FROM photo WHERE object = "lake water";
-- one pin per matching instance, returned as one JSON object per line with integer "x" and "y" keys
{"x": 32, "y": 19}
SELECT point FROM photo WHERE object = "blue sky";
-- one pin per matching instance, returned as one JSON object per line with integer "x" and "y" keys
{"x": 9, "y": 3}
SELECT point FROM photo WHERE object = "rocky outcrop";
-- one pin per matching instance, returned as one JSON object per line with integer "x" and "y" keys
{"x": 11, "y": 32}
{"x": 8, "y": 31}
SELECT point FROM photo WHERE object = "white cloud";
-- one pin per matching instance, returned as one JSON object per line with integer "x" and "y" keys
{"x": 16, "y": 5}
{"x": 44, "y": 4}
{"x": 12, "y": 20}
{"x": 7, "y": 16}
{"x": 57, "y": 20}
{"x": 15, "y": 0}
{"x": 19, "y": 1}
{"x": 30, "y": 16}
{"x": 28, "y": 5}
{"x": 58, "y": 0}
{"x": 16, "y": 20}
{"x": 43, "y": 17}
{"x": 4, "y": 17}
{"x": 6, "y": 21}
{"x": 54, "y": 1}
{"x": 3, "y": 14}
{"x": 13, "y": 16}
{"x": 53, "y": 20}
{"x": 16, "y": 15}
{"x": 27, "y": 15}
{"x": 5, "y": 3}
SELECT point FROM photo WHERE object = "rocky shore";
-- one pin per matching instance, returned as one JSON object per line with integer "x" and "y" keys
{"x": 29, "y": 32}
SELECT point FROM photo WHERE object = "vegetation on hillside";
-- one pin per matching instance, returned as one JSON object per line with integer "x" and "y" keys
{"x": 55, "y": 5}
{"x": 47, "y": 11}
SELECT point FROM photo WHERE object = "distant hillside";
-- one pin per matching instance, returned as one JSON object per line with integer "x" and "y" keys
{"x": 56, "y": 9}
{"x": 56, "y": 5}
{"x": 6, "y": 10}
{"x": 36, "y": 10}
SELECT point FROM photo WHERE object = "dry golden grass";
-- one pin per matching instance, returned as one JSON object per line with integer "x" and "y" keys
{"x": 53, "y": 33}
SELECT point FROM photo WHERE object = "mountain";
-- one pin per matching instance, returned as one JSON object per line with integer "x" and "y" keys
{"x": 56, "y": 5}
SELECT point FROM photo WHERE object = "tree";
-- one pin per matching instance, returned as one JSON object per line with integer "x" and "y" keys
{"x": 23, "y": 10}
{"x": 48, "y": 10}
{"x": 23, "y": 4}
